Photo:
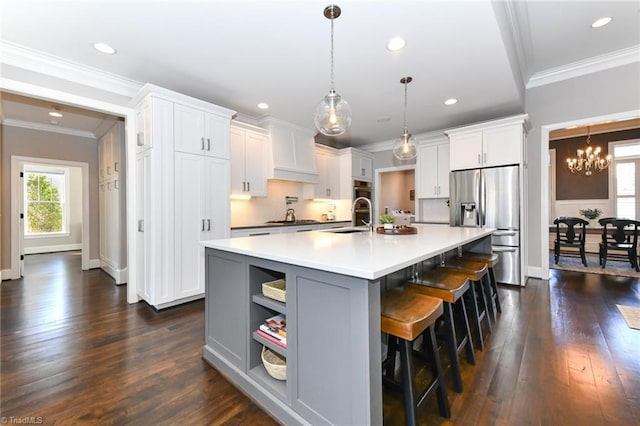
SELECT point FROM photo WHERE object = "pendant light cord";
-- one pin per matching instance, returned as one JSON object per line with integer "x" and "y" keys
{"x": 332, "y": 54}
{"x": 406, "y": 130}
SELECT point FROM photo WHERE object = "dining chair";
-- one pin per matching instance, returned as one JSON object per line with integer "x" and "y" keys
{"x": 570, "y": 232}
{"x": 619, "y": 235}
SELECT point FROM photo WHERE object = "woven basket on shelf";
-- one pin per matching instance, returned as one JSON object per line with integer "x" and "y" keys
{"x": 274, "y": 363}
{"x": 275, "y": 290}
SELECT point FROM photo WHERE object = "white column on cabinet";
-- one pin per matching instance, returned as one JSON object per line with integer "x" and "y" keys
{"x": 238, "y": 181}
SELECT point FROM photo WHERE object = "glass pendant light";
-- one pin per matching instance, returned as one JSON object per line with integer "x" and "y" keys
{"x": 333, "y": 114}
{"x": 404, "y": 148}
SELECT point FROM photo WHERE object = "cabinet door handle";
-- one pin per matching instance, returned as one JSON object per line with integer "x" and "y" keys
{"x": 202, "y": 139}
{"x": 362, "y": 172}
{"x": 115, "y": 183}
{"x": 208, "y": 224}
{"x": 435, "y": 190}
{"x": 208, "y": 144}
{"x": 141, "y": 226}
{"x": 202, "y": 225}
{"x": 140, "y": 139}
{"x": 328, "y": 192}
{"x": 108, "y": 170}
{"x": 248, "y": 186}
{"x": 484, "y": 157}
{"x": 115, "y": 166}
{"x": 479, "y": 159}
{"x": 244, "y": 186}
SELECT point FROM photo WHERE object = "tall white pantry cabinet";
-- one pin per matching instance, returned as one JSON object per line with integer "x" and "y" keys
{"x": 183, "y": 189}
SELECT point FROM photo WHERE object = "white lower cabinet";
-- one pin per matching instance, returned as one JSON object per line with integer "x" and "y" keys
{"x": 201, "y": 188}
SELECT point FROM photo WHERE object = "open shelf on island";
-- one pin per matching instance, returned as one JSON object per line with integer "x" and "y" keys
{"x": 269, "y": 303}
{"x": 268, "y": 343}
{"x": 279, "y": 387}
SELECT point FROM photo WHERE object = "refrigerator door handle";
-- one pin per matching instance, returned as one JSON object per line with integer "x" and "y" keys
{"x": 503, "y": 249}
{"x": 504, "y": 233}
{"x": 483, "y": 200}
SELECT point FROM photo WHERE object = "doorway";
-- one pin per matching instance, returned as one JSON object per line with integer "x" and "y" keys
{"x": 547, "y": 176}
{"x": 67, "y": 98}
{"x": 75, "y": 221}
{"x": 394, "y": 190}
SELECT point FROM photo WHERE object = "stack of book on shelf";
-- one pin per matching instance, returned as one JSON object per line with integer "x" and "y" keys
{"x": 274, "y": 329}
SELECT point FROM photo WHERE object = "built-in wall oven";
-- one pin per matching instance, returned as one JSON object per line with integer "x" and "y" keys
{"x": 361, "y": 209}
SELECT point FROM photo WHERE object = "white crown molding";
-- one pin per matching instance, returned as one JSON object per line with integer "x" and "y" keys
{"x": 576, "y": 69}
{"x": 43, "y": 63}
{"x": 48, "y": 128}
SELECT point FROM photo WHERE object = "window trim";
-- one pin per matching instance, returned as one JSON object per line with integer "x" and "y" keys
{"x": 613, "y": 192}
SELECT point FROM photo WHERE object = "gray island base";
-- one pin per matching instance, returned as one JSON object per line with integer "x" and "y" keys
{"x": 334, "y": 282}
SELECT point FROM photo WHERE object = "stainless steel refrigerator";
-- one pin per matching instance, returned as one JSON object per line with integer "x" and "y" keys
{"x": 491, "y": 198}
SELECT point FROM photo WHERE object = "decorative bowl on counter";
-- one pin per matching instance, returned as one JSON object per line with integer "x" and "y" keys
{"x": 398, "y": 230}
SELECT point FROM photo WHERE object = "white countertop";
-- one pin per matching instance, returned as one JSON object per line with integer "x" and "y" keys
{"x": 362, "y": 254}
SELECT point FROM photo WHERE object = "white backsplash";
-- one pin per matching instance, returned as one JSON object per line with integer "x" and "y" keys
{"x": 434, "y": 210}
{"x": 259, "y": 210}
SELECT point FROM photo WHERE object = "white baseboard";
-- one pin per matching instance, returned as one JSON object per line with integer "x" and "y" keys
{"x": 535, "y": 272}
{"x": 94, "y": 263}
{"x": 119, "y": 275}
{"x": 52, "y": 249}
{"x": 5, "y": 274}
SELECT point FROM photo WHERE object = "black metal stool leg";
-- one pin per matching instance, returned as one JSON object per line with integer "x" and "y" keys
{"x": 436, "y": 371}
{"x": 407, "y": 383}
{"x": 464, "y": 319}
{"x": 494, "y": 285}
{"x": 475, "y": 314}
{"x": 452, "y": 347}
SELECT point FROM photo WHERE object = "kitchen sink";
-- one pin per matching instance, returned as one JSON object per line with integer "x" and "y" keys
{"x": 347, "y": 230}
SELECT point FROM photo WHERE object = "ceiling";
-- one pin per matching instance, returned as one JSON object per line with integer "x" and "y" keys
{"x": 239, "y": 53}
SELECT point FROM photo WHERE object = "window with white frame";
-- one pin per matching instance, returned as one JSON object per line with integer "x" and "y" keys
{"x": 626, "y": 157}
{"x": 45, "y": 201}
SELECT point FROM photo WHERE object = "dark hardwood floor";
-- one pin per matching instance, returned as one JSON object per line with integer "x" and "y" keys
{"x": 73, "y": 352}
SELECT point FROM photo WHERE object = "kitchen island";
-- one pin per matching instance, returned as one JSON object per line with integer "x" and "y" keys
{"x": 334, "y": 281}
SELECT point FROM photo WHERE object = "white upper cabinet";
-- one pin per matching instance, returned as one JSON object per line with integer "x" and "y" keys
{"x": 433, "y": 171}
{"x": 248, "y": 161}
{"x": 495, "y": 143}
{"x": 361, "y": 166}
{"x": 199, "y": 132}
{"x": 328, "y": 186}
{"x": 292, "y": 150}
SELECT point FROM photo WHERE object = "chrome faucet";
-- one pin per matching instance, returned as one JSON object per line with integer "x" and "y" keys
{"x": 353, "y": 209}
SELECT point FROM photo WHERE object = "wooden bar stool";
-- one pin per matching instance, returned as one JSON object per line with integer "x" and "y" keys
{"x": 476, "y": 271}
{"x": 491, "y": 260}
{"x": 405, "y": 316}
{"x": 449, "y": 286}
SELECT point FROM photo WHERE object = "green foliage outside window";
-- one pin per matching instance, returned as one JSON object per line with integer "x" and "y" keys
{"x": 44, "y": 208}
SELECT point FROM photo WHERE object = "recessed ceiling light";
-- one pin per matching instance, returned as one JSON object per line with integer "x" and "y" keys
{"x": 396, "y": 43}
{"x": 55, "y": 114}
{"x": 601, "y": 22}
{"x": 104, "y": 48}
{"x": 263, "y": 105}
{"x": 451, "y": 101}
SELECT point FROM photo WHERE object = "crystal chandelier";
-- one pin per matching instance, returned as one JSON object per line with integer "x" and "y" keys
{"x": 404, "y": 147}
{"x": 588, "y": 159}
{"x": 333, "y": 114}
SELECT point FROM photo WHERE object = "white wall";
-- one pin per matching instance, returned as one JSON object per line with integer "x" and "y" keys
{"x": 72, "y": 241}
{"x": 608, "y": 92}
